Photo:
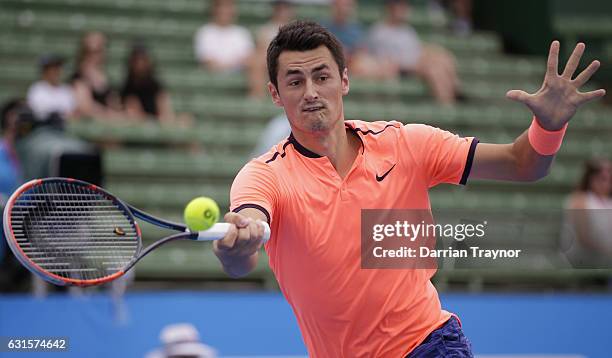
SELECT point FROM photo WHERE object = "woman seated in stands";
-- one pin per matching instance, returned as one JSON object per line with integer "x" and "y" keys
{"x": 588, "y": 237}
{"x": 94, "y": 94}
{"x": 282, "y": 13}
{"x": 143, "y": 95}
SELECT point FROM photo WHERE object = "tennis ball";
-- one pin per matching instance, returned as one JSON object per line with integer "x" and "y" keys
{"x": 201, "y": 214}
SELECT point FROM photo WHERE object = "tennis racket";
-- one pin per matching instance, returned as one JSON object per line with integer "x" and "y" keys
{"x": 70, "y": 232}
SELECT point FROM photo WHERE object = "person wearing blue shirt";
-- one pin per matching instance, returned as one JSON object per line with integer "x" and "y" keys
{"x": 346, "y": 27}
{"x": 9, "y": 167}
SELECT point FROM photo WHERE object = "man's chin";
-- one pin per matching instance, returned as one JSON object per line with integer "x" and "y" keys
{"x": 319, "y": 125}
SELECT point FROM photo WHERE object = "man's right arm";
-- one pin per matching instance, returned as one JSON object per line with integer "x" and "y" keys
{"x": 239, "y": 249}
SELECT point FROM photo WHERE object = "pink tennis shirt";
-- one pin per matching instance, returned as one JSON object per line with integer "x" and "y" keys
{"x": 314, "y": 250}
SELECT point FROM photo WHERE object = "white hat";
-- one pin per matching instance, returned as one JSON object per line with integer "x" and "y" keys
{"x": 179, "y": 332}
{"x": 190, "y": 349}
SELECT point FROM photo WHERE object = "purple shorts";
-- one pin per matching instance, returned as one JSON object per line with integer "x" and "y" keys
{"x": 446, "y": 341}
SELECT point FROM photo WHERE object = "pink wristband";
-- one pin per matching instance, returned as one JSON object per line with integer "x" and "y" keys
{"x": 543, "y": 141}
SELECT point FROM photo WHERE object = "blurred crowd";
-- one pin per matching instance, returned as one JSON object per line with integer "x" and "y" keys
{"x": 34, "y": 142}
{"x": 388, "y": 50}
{"x": 88, "y": 92}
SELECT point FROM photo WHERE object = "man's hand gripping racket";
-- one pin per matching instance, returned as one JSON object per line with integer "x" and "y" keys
{"x": 70, "y": 232}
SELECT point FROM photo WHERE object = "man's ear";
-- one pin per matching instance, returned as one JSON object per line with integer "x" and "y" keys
{"x": 345, "y": 82}
{"x": 275, "y": 96}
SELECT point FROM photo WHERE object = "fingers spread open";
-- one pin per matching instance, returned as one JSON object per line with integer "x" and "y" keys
{"x": 589, "y": 96}
{"x": 553, "y": 59}
{"x": 573, "y": 61}
{"x": 585, "y": 75}
{"x": 519, "y": 96}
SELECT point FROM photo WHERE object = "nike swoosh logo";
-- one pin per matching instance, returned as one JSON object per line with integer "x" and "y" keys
{"x": 380, "y": 178}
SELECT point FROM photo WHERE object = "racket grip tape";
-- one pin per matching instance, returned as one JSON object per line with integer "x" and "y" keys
{"x": 218, "y": 231}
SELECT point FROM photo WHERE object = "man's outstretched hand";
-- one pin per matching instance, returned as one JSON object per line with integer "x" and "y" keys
{"x": 557, "y": 100}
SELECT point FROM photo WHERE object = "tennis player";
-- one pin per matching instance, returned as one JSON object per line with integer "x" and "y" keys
{"x": 311, "y": 187}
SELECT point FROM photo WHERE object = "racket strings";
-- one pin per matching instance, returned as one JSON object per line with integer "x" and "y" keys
{"x": 73, "y": 231}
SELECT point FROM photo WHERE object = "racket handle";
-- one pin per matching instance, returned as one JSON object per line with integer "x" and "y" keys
{"x": 219, "y": 230}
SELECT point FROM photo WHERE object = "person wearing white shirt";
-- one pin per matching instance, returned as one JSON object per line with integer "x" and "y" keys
{"x": 49, "y": 96}
{"x": 221, "y": 45}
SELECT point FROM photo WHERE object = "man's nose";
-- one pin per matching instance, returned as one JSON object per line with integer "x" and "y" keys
{"x": 311, "y": 92}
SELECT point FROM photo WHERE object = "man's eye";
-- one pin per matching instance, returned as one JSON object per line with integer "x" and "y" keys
{"x": 323, "y": 78}
{"x": 294, "y": 83}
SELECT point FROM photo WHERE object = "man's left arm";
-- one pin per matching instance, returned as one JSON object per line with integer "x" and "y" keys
{"x": 530, "y": 156}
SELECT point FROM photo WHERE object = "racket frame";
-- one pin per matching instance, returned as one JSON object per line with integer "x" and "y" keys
{"x": 130, "y": 213}
{"x": 216, "y": 232}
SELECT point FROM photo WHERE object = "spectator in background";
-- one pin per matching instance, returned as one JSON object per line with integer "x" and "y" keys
{"x": 10, "y": 176}
{"x": 395, "y": 40}
{"x": 221, "y": 45}
{"x": 282, "y": 13}
{"x": 143, "y": 95}
{"x": 49, "y": 98}
{"x": 94, "y": 94}
{"x": 43, "y": 145}
{"x": 352, "y": 36}
{"x": 181, "y": 340}
{"x": 345, "y": 27}
{"x": 460, "y": 12}
{"x": 588, "y": 234}
{"x": 13, "y": 276}
{"x": 276, "y": 129}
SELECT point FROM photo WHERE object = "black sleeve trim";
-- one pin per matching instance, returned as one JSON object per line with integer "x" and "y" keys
{"x": 470, "y": 160}
{"x": 254, "y": 206}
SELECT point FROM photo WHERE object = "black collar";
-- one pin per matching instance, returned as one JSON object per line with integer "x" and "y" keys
{"x": 301, "y": 149}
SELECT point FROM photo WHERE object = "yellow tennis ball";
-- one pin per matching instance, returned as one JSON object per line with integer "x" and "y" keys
{"x": 201, "y": 214}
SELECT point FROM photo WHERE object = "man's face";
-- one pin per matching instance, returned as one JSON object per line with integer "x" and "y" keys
{"x": 310, "y": 89}
{"x": 224, "y": 12}
{"x": 283, "y": 13}
{"x": 95, "y": 45}
{"x": 602, "y": 181}
{"x": 342, "y": 10}
{"x": 53, "y": 75}
{"x": 398, "y": 12}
